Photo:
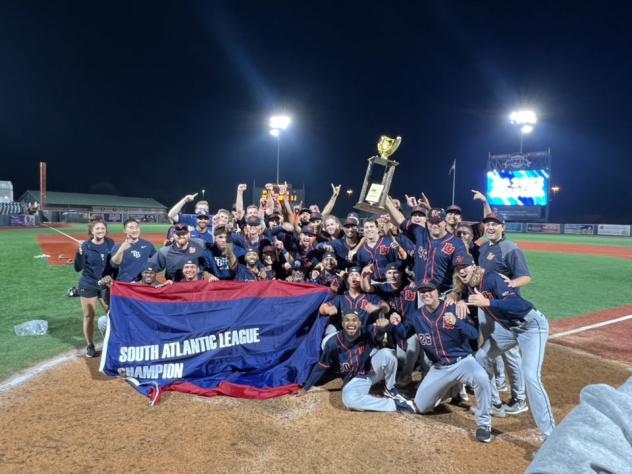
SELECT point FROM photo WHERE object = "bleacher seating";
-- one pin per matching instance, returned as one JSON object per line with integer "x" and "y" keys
{"x": 11, "y": 208}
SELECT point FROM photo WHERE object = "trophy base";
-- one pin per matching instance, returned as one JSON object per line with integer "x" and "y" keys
{"x": 371, "y": 208}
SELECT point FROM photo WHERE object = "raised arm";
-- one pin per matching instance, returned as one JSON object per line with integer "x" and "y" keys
{"x": 395, "y": 213}
{"x": 239, "y": 200}
{"x": 332, "y": 200}
{"x": 479, "y": 196}
{"x": 175, "y": 210}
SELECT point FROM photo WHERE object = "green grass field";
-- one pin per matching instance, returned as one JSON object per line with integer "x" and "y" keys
{"x": 563, "y": 286}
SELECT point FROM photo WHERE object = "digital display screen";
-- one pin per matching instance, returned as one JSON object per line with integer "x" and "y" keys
{"x": 517, "y": 187}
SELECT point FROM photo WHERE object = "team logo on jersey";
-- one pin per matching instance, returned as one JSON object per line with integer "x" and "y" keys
{"x": 446, "y": 324}
{"x": 382, "y": 250}
{"x": 422, "y": 253}
{"x": 135, "y": 253}
{"x": 491, "y": 256}
{"x": 448, "y": 249}
{"x": 409, "y": 295}
{"x": 192, "y": 249}
{"x": 363, "y": 304}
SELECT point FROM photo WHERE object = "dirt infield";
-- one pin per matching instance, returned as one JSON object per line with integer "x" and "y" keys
{"x": 73, "y": 418}
{"x": 582, "y": 249}
{"x": 611, "y": 340}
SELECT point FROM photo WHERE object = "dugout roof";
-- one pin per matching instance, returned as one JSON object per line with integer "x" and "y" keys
{"x": 54, "y": 198}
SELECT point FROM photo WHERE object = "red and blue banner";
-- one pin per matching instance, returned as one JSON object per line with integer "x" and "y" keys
{"x": 241, "y": 339}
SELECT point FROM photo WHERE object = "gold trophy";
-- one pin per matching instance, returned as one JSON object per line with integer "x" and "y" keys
{"x": 374, "y": 191}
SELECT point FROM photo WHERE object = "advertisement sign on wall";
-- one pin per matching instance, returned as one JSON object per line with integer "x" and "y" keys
{"x": 613, "y": 229}
{"x": 584, "y": 229}
{"x": 544, "y": 228}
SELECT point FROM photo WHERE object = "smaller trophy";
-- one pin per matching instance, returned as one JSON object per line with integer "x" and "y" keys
{"x": 374, "y": 191}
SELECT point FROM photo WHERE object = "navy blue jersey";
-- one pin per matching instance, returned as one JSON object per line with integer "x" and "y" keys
{"x": 206, "y": 237}
{"x": 134, "y": 260}
{"x": 309, "y": 257}
{"x": 507, "y": 307}
{"x": 218, "y": 264}
{"x": 341, "y": 249}
{"x": 401, "y": 300}
{"x": 243, "y": 273}
{"x": 380, "y": 255}
{"x": 328, "y": 279}
{"x": 172, "y": 259}
{"x": 442, "y": 342}
{"x": 348, "y": 304}
{"x": 94, "y": 262}
{"x": 351, "y": 357}
{"x": 242, "y": 243}
{"x": 435, "y": 258}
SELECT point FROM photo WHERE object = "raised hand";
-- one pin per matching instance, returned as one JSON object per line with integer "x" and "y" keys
{"x": 242, "y": 187}
{"x": 479, "y": 196}
{"x": 335, "y": 189}
{"x": 411, "y": 201}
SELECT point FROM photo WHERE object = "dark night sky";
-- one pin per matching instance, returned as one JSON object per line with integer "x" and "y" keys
{"x": 164, "y": 98}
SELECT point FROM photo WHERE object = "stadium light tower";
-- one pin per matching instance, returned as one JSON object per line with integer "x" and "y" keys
{"x": 525, "y": 120}
{"x": 278, "y": 123}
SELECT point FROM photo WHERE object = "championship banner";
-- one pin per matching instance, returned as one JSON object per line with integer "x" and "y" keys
{"x": 242, "y": 339}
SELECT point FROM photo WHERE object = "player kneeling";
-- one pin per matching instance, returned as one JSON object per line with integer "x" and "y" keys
{"x": 445, "y": 339}
{"x": 350, "y": 351}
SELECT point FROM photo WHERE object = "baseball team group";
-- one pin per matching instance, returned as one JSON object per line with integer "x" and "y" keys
{"x": 416, "y": 289}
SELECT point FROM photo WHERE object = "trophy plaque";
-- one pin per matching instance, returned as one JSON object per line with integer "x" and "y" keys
{"x": 375, "y": 190}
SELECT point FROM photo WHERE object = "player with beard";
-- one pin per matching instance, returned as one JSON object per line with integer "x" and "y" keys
{"x": 252, "y": 270}
{"x": 355, "y": 352}
{"x": 401, "y": 296}
{"x": 346, "y": 244}
{"x": 324, "y": 273}
{"x": 377, "y": 250}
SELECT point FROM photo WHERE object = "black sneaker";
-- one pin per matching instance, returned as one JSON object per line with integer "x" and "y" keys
{"x": 406, "y": 406}
{"x": 484, "y": 434}
{"x": 515, "y": 407}
{"x": 91, "y": 351}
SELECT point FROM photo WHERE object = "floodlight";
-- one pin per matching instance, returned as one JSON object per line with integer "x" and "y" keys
{"x": 275, "y": 132}
{"x": 280, "y": 121}
{"x": 523, "y": 117}
{"x": 525, "y": 129}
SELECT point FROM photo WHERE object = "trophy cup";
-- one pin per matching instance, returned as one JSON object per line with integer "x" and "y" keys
{"x": 374, "y": 191}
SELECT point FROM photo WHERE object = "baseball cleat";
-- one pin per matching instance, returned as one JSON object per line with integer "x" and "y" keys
{"x": 484, "y": 434}
{"x": 394, "y": 393}
{"x": 91, "y": 351}
{"x": 515, "y": 407}
{"x": 498, "y": 411}
{"x": 463, "y": 393}
{"x": 503, "y": 387}
{"x": 405, "y": 406}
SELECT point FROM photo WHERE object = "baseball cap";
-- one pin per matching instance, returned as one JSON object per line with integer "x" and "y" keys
{"x": 253, "y": 220}
{"x": 393, "y": 266}
{"x": 298, "y": 265}
{"x": 329, "y": 255}
{"x": 495, "y": 216}
{"x": 149, "y": 268}
{"x": 455, "y": 209}
{"x": 419, "y": 210}
{"x": 436, "y": 215}
{"x": 354, "y": 269}
{"x": 202, "y": 214}
{"x": 304, "y": 209}
{"x": 316, "y": 216}
{"x": 190, "y": 261}
{"x": 426, "y": 285}
{"x": 180, "y": 229}
{"x": 307, "y": 230}
{"x": 463, "y": 261}
{"x": 251, "y": 250}
{"x": 354, "y": 314}
{"x": 275, "y": 216}
{"x": 351, "y": 221}
{"x": 268, "y": 249}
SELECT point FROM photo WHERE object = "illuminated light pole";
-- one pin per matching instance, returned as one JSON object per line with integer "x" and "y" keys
{"x": 349, "y": 192}
{"x": 277, "y": 124}
{"x": 203, "y": 192}
{"x": 525, "y": 120}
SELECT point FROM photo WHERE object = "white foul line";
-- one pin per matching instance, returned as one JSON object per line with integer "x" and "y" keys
{"x": 38, "y": 369}
{"x": 590, "y": 326}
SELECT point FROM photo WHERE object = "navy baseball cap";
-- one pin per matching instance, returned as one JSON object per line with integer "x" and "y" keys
{"x": 202, "y": 214}
{"x": 419, "y": 210}
{"x": 190, "y": 261}
{"x": 253, "y": 220}
{"x": 426, "y": 285}
{"x": 393, "y": 266}
{"x": 307, "y": 230}
{"x": 355, "y": 314}
{"x": 436, "y": 215}
{"x": 149, "y": 268}
{"x": 304, "y": 209}
{"x": 354, "y": 268}
{"x": 329, "y": 255}
{"x": 181, "y": 228}
{"x": 495, "y": 216}
{"x": 351, "y": 221}
{"x": 316, "y": 216}
{"x": 298, "y": 266}
{"x": 454, "y": 209}
{"x": 251, "y": 250}
{"x": 463, "y": 261}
